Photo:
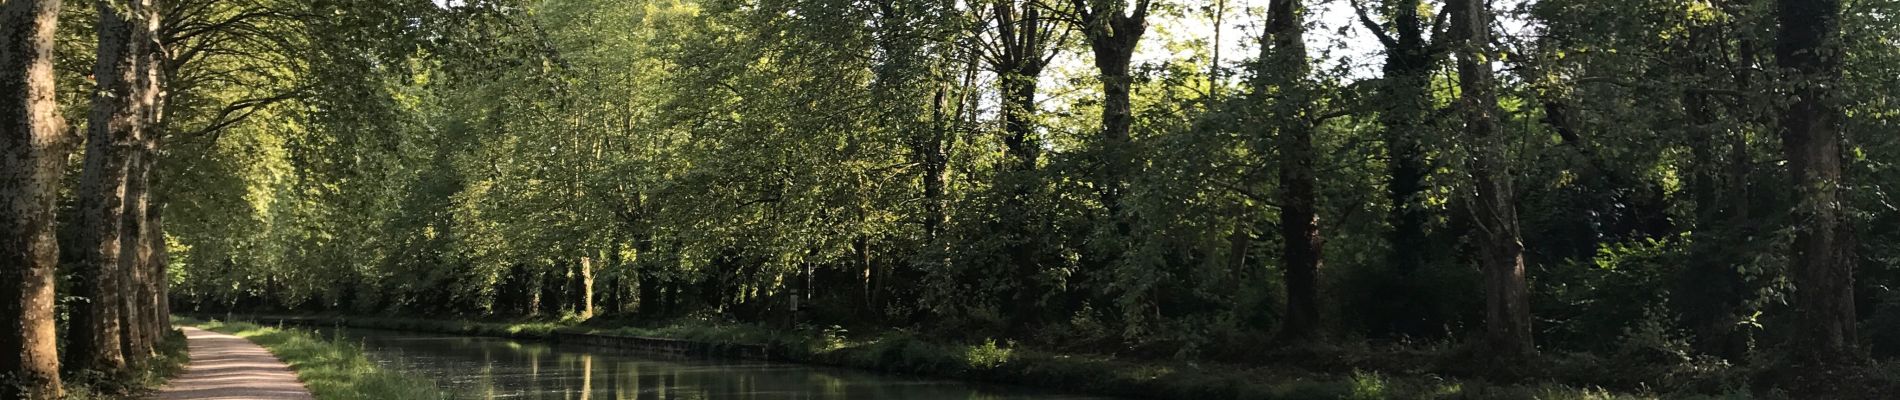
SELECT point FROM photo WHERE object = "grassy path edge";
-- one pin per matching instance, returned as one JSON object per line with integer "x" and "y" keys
{"x": 331, "y": 370}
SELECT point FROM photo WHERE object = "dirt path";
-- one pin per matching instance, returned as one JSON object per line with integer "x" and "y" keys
{"x": 229, "y": 367}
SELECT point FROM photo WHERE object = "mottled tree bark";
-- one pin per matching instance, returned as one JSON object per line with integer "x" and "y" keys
{"x": 1283, "y": 82}
{"x": 153, "y": 73}
{"x": 1808, "y": 51}
{"x": 932, "y": 149}
{"x": 113, "y": 129}
{"x": 33, "y": 146}
{"x": 1500, "y": 247}
{"x": 133, "y": 337}
{"x": 140, "y": 334}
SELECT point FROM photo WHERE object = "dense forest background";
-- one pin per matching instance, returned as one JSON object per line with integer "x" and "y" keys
{"x": 1690, "y": 183}
{"x": 912, "y": 163}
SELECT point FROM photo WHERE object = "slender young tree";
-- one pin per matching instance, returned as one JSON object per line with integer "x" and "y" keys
{"x": 1283, "y": 83}
{"x": 114, "y": 126}
{"x": 1808, "y": 50}
{"x": 1500, "y": 244}
{"x": 33, "y": 146}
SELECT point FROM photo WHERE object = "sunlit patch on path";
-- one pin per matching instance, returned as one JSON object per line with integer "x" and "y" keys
{"x": 229, "y": 367}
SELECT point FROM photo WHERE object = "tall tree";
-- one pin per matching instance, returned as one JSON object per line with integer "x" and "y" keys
{"x": 139, "y": 334}
{"x": 1113, "y": 29}
{"x": 1500, "y": 245}
{"x": 1405, "y": 108}
{"x": 33, "y": 146}
{"x": 145, "y": 236}
{"x": 1283, "y": 82}
{"x": 1404, "y": 114}
{"x": 1808, "y": 50}
{"x": 1020, "y": 45}
{"x": 114, "y": 126}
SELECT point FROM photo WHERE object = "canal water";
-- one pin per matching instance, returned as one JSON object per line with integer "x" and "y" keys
{"x": 495, "y": 368}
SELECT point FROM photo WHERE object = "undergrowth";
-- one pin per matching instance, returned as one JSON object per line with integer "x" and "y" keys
{"x": 144, "y": 379}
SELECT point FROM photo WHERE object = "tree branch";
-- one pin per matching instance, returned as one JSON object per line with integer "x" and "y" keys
{"x": 1377, "y": 30}
{"x": 238, "y": 111}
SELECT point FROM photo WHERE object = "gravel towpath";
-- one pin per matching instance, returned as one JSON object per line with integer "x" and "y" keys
{"x": 225, "y": 367}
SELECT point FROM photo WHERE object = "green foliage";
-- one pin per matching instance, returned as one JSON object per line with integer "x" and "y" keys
{"x": 987, "y": 355}
{"x": 1367, "y": 386}
{"x": 719, "y": 161}
{"x": 1624, "y": 289}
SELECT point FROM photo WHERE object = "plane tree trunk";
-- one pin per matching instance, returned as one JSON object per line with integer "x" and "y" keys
{"x": 113, "y": 131}
{"x": 33, "y": 146}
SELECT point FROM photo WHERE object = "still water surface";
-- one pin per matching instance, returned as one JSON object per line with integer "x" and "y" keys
{"x": 482, "y": 367}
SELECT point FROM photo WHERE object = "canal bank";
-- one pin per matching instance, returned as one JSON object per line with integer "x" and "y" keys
{"x": 988, "y": 362}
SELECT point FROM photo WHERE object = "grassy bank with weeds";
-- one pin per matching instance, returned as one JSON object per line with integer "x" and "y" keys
{"x": 990, "y": 361}
{"x": 168, "y": 360}
{"x": 330, "y": 369}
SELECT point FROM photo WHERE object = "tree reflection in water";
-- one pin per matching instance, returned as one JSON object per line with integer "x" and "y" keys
{"x": 493, "y": 368}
